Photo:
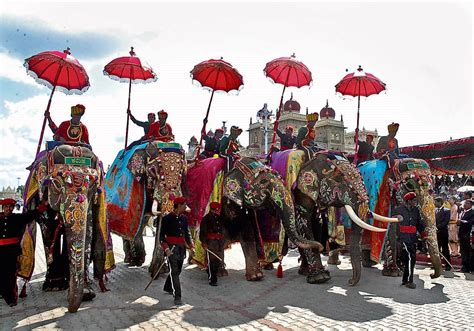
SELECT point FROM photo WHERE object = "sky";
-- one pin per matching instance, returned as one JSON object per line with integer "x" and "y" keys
{"x": 422, "y": 51}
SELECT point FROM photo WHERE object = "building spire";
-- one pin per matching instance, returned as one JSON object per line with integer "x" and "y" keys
{"x": 327, "y": 103}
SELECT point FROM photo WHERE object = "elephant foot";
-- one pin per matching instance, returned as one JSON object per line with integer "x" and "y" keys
{"x": 102, "y": 286}
{"x": 390, "y": 272}
{"x": 222, "y": 272}
{"x": 54, "y": 285}
{"x": 334, "y": 258}
{"x": 254, "y": 275}
{"x": 268, "y": 266}
{"x": 353, "y": 281}
{"x": 88, "y": 294}
{"x": 318, "y": 277}
{"x": 303, "y": 270}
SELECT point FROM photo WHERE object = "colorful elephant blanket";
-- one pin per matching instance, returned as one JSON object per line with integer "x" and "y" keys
{"x": 287, "y": 164}
{"x": 126, "y": 196}
{"x": 28, "y": 242}
{"x": 375, "y": 177}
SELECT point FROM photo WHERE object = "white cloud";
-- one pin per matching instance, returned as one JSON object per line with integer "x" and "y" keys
{"x": 13, "y": 69}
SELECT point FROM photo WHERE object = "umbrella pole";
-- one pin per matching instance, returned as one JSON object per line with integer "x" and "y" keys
{"x": 357, "y": 132}
{"x": 44, "y": 121}
{"x": 275, "y": 125}
{"x": 203, "y": 130}
{"x": 128, "y": 111}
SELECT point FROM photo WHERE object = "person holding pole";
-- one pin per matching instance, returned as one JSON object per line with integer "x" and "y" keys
{"x": 174, "y": 238}
{"x": 211, "y": 235}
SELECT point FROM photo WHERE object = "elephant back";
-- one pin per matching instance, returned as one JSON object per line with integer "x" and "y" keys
{"x": 73, "y": 155}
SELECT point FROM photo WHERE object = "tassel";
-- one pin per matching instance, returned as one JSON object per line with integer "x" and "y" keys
{"x": 23, "y": 291}
{"x": 280, "y": 271}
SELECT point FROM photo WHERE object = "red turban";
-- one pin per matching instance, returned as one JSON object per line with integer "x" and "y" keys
{"x": 7, "y": 201}
{"x": 179, "y": 200}
{"x": 409, "y": 196}
{"x": 215, "y": 205}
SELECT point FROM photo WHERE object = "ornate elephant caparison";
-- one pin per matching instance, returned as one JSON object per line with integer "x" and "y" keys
{"x": 329, "y": 180}
{"x": 248, "y": 188}
{"x": 146, "y": 177}
{"x": 70, "y": 178}
{"x": 390, "y": 185}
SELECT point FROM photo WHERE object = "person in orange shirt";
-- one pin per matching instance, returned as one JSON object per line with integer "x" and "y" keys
{"x": 160, "y": 130}
{"x": 71, "y": 131}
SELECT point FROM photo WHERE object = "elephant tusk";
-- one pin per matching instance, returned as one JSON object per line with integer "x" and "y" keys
{"x": 384, "y": 218}
{"x": 360, "y": 222}
{"x": 154, "y": 208}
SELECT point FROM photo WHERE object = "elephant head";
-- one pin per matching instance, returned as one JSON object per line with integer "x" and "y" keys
{"x": 329, "y": 180}
{"x": 71, "y": 182}
{"x": 162, "y": 166}
{"x": 413, "y": 175}
{"x": 251, "y": 184}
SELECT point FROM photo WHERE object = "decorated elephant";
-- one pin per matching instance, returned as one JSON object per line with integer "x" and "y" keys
{"x": 245, "y": 191}
{"x": 70, "y": 178}
{"x": 326, "y": 180}
{"x": 143, "y": 178}
{"x": 386, "y": 187}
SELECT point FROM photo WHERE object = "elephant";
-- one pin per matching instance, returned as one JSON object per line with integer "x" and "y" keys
{"x": 247, "y": 189}
{"x": 142, "y": 183}
{"x": 388, "y": 183}
{"x": 70, "y": 178}
{"x": 327, "y": 180}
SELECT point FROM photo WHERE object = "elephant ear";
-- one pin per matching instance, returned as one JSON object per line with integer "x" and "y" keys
{"x": 233, "y": 189}
{"x": 137, "y": 163}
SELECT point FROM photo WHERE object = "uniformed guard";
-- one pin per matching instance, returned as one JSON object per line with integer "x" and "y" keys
{"x": 174, "y": 238}
{"x": 410, "y": 222}
{"x": 72, "y": 131}
{"x": 12, "y": 227}
{"x": 160, "y": 130}
{"x": 211, "y": 235}
{"x": 287, "y": 139}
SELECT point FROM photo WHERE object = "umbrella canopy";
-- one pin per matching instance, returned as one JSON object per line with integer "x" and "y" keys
{"x": 58, "y": 69}
{"x": 129, "y": 69}
{"x": 288, "y": 71}
{"x": 217, "y": 75}
{"x": 466, "y": 188}
{"x": 360, "y": 84}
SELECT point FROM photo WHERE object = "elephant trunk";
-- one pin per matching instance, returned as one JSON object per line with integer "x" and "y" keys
{"x": 428, "y": 215}
{"x": 75, "y": 220}
{"x": 287, "y": 212}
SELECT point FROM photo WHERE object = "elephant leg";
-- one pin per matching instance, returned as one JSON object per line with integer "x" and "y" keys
{"x": 137, "y": 251}
{"x": 89, "y": 293}
{"x": 126, "y": 250}
{"x": 355, "y": 251}
{"x": 310, "y": 259}
{"x": 366, "y": 261}
{"x": 57, "y": 273}
{"x": 249, "y": 247}
{"x": 390, "y": 267}
{"x": 334, "y": 257}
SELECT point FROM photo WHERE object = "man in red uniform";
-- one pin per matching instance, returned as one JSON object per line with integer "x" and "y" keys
{"x": 12, "y": 227}
{"x": 160, "y": 130}
{"x": 72, "y": 131}
{"x": 306, "y": 134}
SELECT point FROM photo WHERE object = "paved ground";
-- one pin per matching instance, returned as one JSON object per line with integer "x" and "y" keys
{"x": 288, "y": 303}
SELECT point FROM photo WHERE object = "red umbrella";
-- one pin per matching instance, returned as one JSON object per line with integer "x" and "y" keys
{"x": 129, "y": 69}
{"x": 359, "y": 84}
{"x": 58, "y": 71}
{"x": 288, "y": 72}
{"x": 216, "y": 75}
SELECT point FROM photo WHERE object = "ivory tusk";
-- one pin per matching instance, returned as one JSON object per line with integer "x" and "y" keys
{"x": 154, "y": 208}
{"x": 360, "y": 222}
{"x": 384, "y": 218}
